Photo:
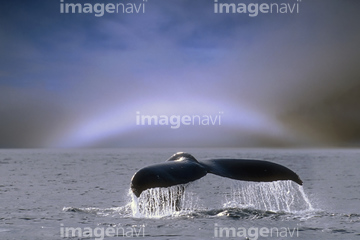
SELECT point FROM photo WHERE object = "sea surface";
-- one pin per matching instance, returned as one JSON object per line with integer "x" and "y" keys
{"x": 84, "y": 194}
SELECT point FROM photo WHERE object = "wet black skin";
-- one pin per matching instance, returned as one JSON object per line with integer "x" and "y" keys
{"x": 183, "y": 168}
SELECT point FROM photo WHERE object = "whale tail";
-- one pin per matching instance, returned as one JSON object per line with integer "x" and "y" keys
{"x": 183, "y": 168}
{"x": 179, "y": 169}
{"x": 250, "y": 170}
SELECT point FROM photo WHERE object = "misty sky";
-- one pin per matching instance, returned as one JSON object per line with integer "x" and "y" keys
{"x": 280, "y": 80}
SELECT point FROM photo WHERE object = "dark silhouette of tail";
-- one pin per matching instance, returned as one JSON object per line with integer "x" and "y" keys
{"x": 183, "y": 168}
{"x": 250, "y": 170}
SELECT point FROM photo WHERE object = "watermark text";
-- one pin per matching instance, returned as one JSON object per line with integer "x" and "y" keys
{"x": 99, "y": 233}
{"x": 253, "y": 9}
{"x": 99, "y": 8}
{"x": 253, "y": 233}
{"x": 175, "y": 121}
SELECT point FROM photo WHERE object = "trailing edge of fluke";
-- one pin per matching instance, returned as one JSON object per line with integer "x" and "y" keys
{"x": 183, "y": 168}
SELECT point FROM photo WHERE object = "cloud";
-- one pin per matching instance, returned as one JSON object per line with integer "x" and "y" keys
{"x": 78, "y": 80}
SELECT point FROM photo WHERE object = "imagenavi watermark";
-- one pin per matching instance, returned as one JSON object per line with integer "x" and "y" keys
{"x": 253, "y": 233}
{"x": 253, "y": 9}
{"x": 175, "y": 121}
{"x": 99, "y": 233}
{"x": 100, "y": 8}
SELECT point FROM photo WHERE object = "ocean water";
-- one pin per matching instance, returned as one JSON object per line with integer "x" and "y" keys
{"x": 55, "y": 193}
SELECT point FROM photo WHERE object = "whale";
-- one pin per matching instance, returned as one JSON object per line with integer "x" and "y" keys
{"x": 183, "y": 168}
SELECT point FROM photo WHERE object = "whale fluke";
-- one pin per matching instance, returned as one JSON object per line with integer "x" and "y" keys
{"x": 177, "y": 170}
{"x": 250, "y": 170}
{"x": 183, "y": 168}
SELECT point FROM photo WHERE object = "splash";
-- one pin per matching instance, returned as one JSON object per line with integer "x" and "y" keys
{"x": 279, "y": 196}
{"x": 160, "y": 202}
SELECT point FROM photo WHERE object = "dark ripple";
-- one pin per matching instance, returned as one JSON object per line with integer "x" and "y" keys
{"x": 343, "y": 231}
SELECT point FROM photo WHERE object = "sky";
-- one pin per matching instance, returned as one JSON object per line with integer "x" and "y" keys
{"x": 275, "y": 80}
